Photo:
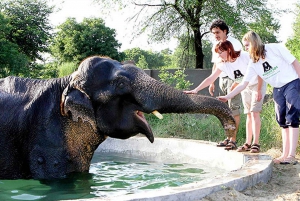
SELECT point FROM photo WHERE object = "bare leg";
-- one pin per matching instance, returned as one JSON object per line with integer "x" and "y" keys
{"x": 293, "y": 143}
{"x": 256, "y": 125}
{"x": 285, "y": 146}
{"x": 237, "y": 123}
{"x": 249, "y": 129}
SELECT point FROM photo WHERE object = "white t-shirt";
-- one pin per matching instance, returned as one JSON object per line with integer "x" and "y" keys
{"x": 237, "y": 69}
{"x": 276, "y": 69}
{"x": 237, "y": 46}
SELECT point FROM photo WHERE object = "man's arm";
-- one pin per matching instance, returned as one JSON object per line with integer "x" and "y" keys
{"x": 211, "y": 87}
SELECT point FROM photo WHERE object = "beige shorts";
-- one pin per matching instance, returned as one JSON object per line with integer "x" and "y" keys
{"x": 235, "y": 104}
{"x": 249, "y": 98}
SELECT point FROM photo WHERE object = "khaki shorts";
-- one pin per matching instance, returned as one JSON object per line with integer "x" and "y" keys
{"x": 235, "y": 104}
{"x": 249, "y": 98}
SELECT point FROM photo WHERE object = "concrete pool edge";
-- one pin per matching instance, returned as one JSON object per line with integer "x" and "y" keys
{"x": 246, "y": 170}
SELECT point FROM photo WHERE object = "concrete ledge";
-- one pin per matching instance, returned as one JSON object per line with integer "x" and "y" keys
{"x": 241, "y": 170}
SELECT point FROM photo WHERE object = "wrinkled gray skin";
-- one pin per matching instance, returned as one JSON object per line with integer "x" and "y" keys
{"x": 51, "y": 128}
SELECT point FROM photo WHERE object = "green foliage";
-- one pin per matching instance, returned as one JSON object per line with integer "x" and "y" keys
{"x": 12, "y": 62}
{"x": 29, "y": 26}
{"x": 293, "y": 43}
{"x": 75, "y": 41}
{"x": 176, "y": 79}
{"x": 145, "y": 59}
{"x": 266, "y": 26}
{"x": 66, "y": 69}
{"x": 185, "y": 55}
{"x": 173, "y": 19}
{"x": 142, "y": 63}
{"x": 49, "y": 71}
{"x": 208, "y": 127}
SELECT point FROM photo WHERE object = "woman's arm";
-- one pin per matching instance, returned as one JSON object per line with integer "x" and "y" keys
{"x": 259, "y": 86}
{"x": 205, "y": 83}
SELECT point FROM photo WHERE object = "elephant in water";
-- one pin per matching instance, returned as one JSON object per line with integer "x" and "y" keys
{"x": 51, "y": 128}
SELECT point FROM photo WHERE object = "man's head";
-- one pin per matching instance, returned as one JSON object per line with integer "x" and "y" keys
{"x": 220, "y": 30}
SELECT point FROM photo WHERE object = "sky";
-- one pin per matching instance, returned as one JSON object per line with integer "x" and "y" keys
{"x": 117, "y": 20}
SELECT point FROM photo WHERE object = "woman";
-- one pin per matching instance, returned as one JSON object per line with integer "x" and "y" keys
{"x": 278, "y": 67}
{"x": 234, "y": 64}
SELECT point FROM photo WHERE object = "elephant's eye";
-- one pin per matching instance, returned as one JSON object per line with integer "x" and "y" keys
{"x": 121, "y": 85}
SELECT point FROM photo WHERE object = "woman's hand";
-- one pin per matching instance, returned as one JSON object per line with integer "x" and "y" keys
{"x": 222, "y": 98}
{"x": 258, "y": 95}
{"x": 194, "y": 91}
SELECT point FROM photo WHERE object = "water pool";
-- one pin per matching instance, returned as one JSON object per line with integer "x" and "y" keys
{"x": 179, "y": 155}
{"x": 110, "y": 175}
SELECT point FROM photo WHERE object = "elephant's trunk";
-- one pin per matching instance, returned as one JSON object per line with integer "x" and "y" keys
{"x": 202, "y": 104}
{"x": 154, "y": 95}
{"x": 166, "y": 99}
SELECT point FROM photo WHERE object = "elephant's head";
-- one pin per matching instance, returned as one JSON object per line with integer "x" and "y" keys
{"x": 113, "y": 97}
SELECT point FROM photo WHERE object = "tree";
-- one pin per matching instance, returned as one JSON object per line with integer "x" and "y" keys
{"x": 30, "y": 29}
{"x": 146, "y": 58}
{"x": 293, "y": 43}
{"x": 11, "y": 60}
{"x": 75, "y": 41}
{"x": 265, "y": 27}
{"x": 173, "y": 18}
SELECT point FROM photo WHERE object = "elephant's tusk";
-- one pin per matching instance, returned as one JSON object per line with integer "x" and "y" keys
{"x": 157, "y": 114}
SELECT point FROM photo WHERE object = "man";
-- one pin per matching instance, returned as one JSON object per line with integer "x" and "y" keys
{"x": 220, "y": 30}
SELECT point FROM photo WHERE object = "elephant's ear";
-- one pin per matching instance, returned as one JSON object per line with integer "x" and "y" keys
{"x": 77, "y": 104}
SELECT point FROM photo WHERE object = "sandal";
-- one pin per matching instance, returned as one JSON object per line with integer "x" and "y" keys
{"x": 244, "y": 147}
{"x": 231, "y": 146}
{"x": 224, "y": 143}
{"x": 255, "y": 148}
{"x": 289, "y": 160}
{"x": 278, "y": 160}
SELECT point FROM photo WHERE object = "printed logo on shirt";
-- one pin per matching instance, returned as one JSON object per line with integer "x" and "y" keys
{"x": 238, "y": 76}
{"x": 269, "y": 71}
{"x": 266, "y": 66}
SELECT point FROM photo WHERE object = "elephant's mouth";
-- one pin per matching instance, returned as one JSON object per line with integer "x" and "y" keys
{"x": 148, "y": 132}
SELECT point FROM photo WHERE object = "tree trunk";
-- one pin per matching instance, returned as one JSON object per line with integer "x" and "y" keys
{"x": 198, "y": 49}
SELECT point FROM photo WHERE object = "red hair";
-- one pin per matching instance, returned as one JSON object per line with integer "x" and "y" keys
{"x": 227, "y": 46}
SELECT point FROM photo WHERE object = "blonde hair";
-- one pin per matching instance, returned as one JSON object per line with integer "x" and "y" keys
{"x": 256, "y": 48}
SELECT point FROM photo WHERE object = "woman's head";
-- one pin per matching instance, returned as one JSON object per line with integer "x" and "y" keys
{"x": 253, "y": 44}
{"x": 226, "y": 51}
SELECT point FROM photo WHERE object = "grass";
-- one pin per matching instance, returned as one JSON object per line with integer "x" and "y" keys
{"x": 208, "y": 127}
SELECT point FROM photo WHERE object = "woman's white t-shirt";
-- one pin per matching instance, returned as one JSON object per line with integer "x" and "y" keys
{"x": 237, "y": 46}
{"x": 237, "y": 69}
{"x": 276, "y": 69}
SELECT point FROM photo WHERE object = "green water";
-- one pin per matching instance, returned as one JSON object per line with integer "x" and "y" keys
{"x": 109, "y": 176}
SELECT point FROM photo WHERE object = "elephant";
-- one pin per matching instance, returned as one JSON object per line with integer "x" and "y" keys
{"x": 50, "y": 128}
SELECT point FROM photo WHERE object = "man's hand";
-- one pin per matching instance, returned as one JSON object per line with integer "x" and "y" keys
{"x": 211, "y": 89}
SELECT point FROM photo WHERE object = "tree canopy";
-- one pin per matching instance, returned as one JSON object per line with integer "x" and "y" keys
{"x": 75, "y": 41}
{"x": 174, "y": 18}
{"x": 293, "y": 43}
{"x": 29, "y": 25}
{"x": 24, "y": 35}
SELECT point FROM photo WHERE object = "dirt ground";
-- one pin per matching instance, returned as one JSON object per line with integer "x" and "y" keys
{"x": 284, "y": 185}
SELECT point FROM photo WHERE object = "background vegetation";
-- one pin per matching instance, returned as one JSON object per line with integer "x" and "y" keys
{"x": 30, "y": 47}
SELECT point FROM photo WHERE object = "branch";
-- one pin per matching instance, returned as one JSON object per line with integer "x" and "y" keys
{"x": 157, "y": 5}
